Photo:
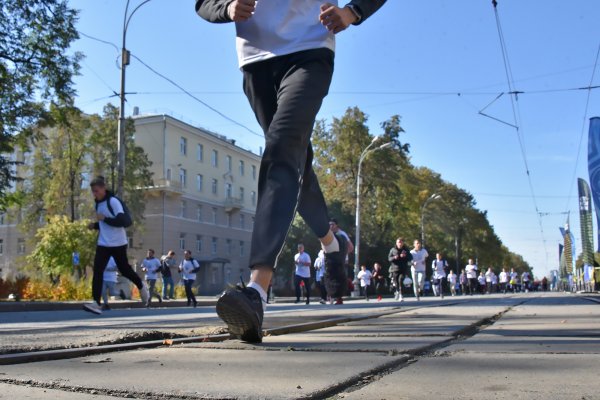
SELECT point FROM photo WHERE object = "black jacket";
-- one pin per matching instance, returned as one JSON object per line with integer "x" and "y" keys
{"x": 401, "y": 263}
{"x": 216, "y": 10}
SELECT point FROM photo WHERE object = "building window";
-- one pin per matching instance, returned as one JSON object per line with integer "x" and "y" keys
{"x": 242, "y": 194}
{"x": 215, "y": 185}
{"x": 182, "y": 241}
{"x": 199, "y": 179}
{"x": 183, "y": 177}
{"x": 168, "y": 174}
{"x": 242, "y": 221}
{"x": 228, "y": 191}
{"x": 199, "y": 213}
{"x": 229, "y": 220}
{"x": 21, "y": 246}
{"x": 214, "y": 244}
{"x": 241, "y": 248}
{"x": 214, "y": 161}
{"x": 1, "y": 247}
{"x": 228, "y": 158}
{"x": 199, "y": 244}
{"x": 253, "y": 197}
{"x": 183, "y": 146}
{"x": 214, "y": 215}
{"x": 254, "y": 172}
{"x": 199, "y": 152}
{"x": 229, "y": 247}
{"x": 242, "y": 168}
{"x": 183, "y": 209}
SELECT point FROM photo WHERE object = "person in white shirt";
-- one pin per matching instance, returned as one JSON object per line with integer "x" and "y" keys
{"x": 112, "y": 242}
{"x": 417, "y": 269}
{"x": 452, "y": 278}
{"x": 525, "y": 281}
{"x": 489, "y": 280}
{"x": 503, "y": 279}
{"x": 481, "y": 281}
{"x": 438, "y": 267}
{"x": 302, "y": 273}
{"x": 514, "y": 280}
{"x": 364, "y": 275}
{"x": 471, "y": 271}
{"x": 286, "y": 54}
{"x": 319, "y": 275}
{"x": 109, "y": 283}
{"x": 188, "y": 267}
{"x": 151, "y": 266}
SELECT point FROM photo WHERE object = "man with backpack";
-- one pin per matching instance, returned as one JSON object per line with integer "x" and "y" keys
{"x": 188, "y": 268}
{"x": 151, "y": 266}
{"x": 111, "y": 220}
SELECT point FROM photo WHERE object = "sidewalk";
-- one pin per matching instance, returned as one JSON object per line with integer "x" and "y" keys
{"x": 522, "y": 347}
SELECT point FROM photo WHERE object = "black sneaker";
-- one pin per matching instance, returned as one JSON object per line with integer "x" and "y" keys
{"x": 242, "y": 310}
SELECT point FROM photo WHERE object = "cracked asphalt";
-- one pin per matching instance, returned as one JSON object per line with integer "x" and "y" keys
{"x": 525, "y": 346}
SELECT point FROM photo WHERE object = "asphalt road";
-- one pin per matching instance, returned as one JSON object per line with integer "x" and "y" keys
{"x": 526, "y": 346}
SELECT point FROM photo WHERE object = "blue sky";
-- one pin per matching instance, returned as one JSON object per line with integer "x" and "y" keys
{"x": 435, "y": 63}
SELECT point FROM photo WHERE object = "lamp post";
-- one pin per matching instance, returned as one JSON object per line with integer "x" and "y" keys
{"x": 363, "y": 155}
{"x": 121, "y": 125}
{"x": 429, "y": 199}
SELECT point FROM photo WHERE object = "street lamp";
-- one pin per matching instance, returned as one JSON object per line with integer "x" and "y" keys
{"x": 363, "y": 155}
{"x": 430, "y": 198}
{"x": 121, "y": 125}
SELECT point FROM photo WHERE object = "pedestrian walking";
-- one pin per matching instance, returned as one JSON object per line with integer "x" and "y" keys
{"x": 452, "y": 278}
{"x": 503, "y": 280}
{"x": 168, "y": 264}
{"x": 481, "y": 282}
{"x": 490, "y": 276}
{"x": 514, "y": 279}
{"x": 151, "y": 266}
{"x": 111, "y": 220}
{"x": 438, "y": 267}
{"x": 379, "y": 280}
{"x": 109, "y": 284}
{"x": 417, "y": 269}
{"x": 400, "y": 258}
{"x": 525, "y": 280}
{"x": 471, "y": 271}
{"x": 189, "y": 267}
{"x": 302, "y": 273}
{"x": 364, "y": 275}
{"x": 464, "y": 282}
{"x": 320, "y": 276}
{"x": 335, "y": 228}
{"x": 286, "y": 53}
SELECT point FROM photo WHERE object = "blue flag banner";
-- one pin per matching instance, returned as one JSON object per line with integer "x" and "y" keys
{"x": 594, "y": 165}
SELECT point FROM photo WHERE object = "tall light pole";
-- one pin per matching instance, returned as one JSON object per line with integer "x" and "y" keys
{"x": 121, "y": 142}
{"x": 363, "y": 155}
{"x": 429, "y": 199}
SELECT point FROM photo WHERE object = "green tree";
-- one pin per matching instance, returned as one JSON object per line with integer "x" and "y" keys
{"x": 35, "y": 68}
{"x": 57, "y": 241}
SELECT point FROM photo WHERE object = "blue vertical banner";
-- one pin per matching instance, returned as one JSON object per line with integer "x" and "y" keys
{"x": 594, "y": 166}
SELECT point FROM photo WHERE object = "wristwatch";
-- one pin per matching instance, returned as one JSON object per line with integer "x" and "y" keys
{"x": 355, "y": 11}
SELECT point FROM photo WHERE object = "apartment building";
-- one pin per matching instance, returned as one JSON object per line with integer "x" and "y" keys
{"x": 203, "y": 199}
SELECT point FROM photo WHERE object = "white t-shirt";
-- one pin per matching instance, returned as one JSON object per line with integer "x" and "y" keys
{"x": 471, "y": 270}
{"x": 419, "y": 258}
{"x": 503, "y": 277}
{"x": 525, "y": 276}
{"x": 280, "y": 27}
{"x": 489, "y": 276}
{"x": 301, "y": 269}
{"x": 110, "y": 272}
{"x": 152, "y": 266}
{"x": 365, "y": 277}
{"x": 481, "y": 279}
{"x": 111, "y": 236}
{"x": 452, "y": 279}
{"x": 186, "y": 267}
{"x": 320, "y": 266}
{"x": 438, "y": 268}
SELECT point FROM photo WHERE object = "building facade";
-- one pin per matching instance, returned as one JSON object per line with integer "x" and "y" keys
{"x": 203, "y": 199}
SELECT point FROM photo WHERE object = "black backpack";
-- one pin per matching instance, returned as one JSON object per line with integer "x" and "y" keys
{"x": 127, "y": 221}
{"x": 195, "y": 269}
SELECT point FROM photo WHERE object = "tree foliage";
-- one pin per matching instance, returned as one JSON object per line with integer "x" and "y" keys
{"x": 395, "y": 199}
{"x": 35, "y": 67}
{"x": 56, "y": 242}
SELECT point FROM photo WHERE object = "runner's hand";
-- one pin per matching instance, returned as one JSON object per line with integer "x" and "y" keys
{"x": 336, "y": 19}
{"x": 241, "y": 10}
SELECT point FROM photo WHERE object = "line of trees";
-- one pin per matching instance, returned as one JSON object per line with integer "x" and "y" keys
{"x": 392, "y": 197}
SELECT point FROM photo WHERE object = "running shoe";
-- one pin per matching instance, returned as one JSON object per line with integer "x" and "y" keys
{"x": 242, "y": 310}
{"x": 144, "y": 294}
{"x": 93, "y": 308}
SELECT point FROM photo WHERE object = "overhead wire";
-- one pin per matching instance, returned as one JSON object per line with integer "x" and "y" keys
{"x": 517, "y": 119}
